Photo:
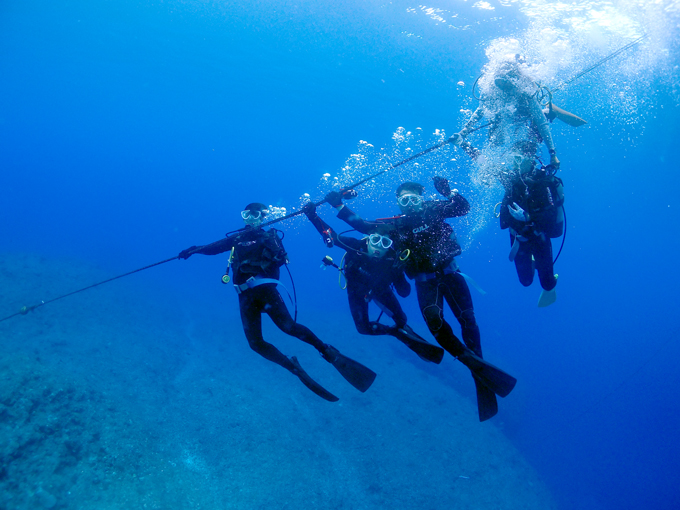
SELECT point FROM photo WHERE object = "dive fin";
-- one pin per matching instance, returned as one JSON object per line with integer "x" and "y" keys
{"x": 311, "y": 383}
{"x": 547, "y": 297}
{"x": 424, "y": 349}
{"x": 565, "y": 116}
{"x": 490, "y": 376}
{"x": 355, "y": 373}
{"x": 487, "y": 405}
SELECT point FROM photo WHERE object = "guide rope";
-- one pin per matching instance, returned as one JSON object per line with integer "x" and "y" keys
{"x": 25, "y": 309}
{"x": 602, "y": 61}
{"x": 577, "y": 76}
{"x": 365, "y": 180}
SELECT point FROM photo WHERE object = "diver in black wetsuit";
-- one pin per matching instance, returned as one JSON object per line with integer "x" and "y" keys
{"x": 371, "y": 268}
{"x": 256, "y": 256}
{"x": 432, "y": 247}
{"x": 532, "y": 206}
{"x": 532, "y": 210}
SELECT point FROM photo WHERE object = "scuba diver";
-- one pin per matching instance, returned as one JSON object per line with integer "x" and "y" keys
{"x": 371, "y": 267}
{"x": 256, "y": 258}
{"x": 518, "y": 123}
{"x": 532, "y": 207}
{"x": 430, "y": 241}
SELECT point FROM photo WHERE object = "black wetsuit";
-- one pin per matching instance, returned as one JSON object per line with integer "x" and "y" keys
{"x": 368, "y": 278}
{"x": 541, "y": 195}
{"x": 259, "y": 254}
{"x": 432, "y": 247}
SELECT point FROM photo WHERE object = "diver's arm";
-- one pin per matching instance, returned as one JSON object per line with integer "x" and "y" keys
{"x": 348, "y": 243}
{"x": 459, "y": 138}
{"x": 354, "y": 220}
{"x": 541, "y": 122}
{"x": 327, "y": 233}
{"x": 215, "y": 248}
{"x": 456, "y": 205}
{"x": 476, "y": 116}
{"x": 331, "y": 237}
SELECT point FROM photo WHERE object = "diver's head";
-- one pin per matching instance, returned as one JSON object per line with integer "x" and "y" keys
{"x": 253, "y": 214}
{"x": 410, "y": 197}
{"x": 378, "y": 244}
{"x": 518, "y": 163}
{"x": 509, "y": 76}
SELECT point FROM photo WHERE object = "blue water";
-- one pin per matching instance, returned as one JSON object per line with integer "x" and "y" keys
{"x": 131, "y": 130}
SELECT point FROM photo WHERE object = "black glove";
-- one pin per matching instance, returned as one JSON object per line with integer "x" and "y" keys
{"x": 309, "y": 209}
{"x": 441, "y": 184}
{"x": 334, "y": 198}
{"x": 185, "y": 254}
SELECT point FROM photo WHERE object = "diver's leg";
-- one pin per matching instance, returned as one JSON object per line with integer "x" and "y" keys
{"x": 431, "y": 302}
{"x": 355, "y": 373}
{"x": 358, "y": 307}
{"x": 457, "y": 295}
{"x": 426, "y": 351}
{"x": 524, "y": 264}
{"x": 544, "y": 262}
{"x": 389, "y": 303}
{"x": 488, "y": 379}
{"x": 276, "y": 309}
{"x": 251, "y": 317}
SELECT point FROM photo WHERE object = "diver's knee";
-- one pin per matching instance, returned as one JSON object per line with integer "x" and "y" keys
{"x": 289, "y": 327}
{"x": 364, "y": 328}
{"x": 468, "y": 316}
{"x": 433, "y": 319}
{"x": 257, "y": 345}
{"x": 526, "y": 280}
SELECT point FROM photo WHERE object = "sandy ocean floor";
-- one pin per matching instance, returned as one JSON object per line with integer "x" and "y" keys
{"x": 115, "y": 399}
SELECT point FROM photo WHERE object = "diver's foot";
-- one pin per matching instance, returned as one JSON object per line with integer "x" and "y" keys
{"x": 547, "y": 297}
{"x": 498, "y": 381}
{"x": 329, "y": 353}
{"x": 355, "y": 373}
{"x": 311, "y": 383}
{"x": 424, "y": 349}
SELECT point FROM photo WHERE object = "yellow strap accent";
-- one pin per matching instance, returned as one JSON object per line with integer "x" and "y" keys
{"x": 403, "y": 257}
{"x": 497, "y": 214}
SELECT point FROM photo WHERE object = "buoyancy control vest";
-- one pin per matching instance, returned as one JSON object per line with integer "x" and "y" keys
{"x": 541, "y": 195}
{"x": 430, "y": 239}
{"x": 363, "y": 270}
{"x": 259, "y": 253}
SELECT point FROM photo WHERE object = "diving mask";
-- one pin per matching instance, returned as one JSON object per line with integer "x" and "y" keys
{"x": 380, "y": 241}
{"x": 410, "y": 199}
{"x": 251, "y": 215}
